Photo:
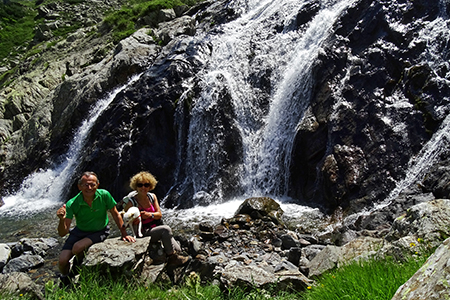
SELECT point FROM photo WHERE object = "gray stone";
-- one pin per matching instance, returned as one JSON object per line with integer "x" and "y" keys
{"x": 19, "y": 283}
{"x": 327, "y": 259}
{"x": 431, "y": 281}
{"x": 259, "y": 207}
{"x": 428, "y": 221}
{"x": 5, "y": 253}
{"x": 23, "y": 263}
{"x": 333, "y": 256}
{"x": 150, "y": 271}
{"x": 253, "y": 276}
{"x": 167, "y": 31}
{"x": 116, "y": 255}
{"x": 38, "y": 246}
{"x": 310, "y": 252}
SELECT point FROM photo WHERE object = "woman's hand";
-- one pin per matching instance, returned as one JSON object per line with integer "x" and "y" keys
{"x": 146, "y": 215}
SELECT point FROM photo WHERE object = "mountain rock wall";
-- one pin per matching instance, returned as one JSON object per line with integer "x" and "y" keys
{"x": 379, "y": 93}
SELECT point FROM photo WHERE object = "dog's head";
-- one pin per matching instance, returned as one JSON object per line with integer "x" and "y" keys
{"x": 130, "y": 215}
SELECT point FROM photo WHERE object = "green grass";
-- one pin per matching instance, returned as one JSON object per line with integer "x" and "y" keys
{"x": 18, "y": 20}
{"x": 17, "y": 27}
{"x": 371, "y": 280}
{"x": 123, "y": 21}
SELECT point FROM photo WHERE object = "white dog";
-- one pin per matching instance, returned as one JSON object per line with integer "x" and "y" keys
{"x": 128, "y": 218}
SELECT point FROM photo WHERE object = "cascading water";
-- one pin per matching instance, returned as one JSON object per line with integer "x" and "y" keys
{"x": 432, "y": 34}
{"x": 43, "y": 190}
{"x": 246, "y": 44}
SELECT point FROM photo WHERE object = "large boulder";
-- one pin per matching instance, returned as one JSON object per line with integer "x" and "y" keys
{"x": 116, "y": 255}
{"x": 431, "y": 280}
{"x": 5, "y": 253}
{"x": 333, "y": 256}
{"x": 428, "y": 221}
{"x": 260, "y": 207}
{"x": 250, "y": 276}
{"x": 23, "y": 263}
{"x": 19, "y": 284}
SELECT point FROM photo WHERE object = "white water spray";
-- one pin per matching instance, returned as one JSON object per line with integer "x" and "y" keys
{"x": 44, "y": 189}
{"x": 245, "y": 45}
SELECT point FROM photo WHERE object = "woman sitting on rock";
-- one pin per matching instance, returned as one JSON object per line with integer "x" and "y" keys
{"x": 142, "y": 183}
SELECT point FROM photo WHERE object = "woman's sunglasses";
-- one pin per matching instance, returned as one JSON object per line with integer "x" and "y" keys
{"x": 143, "y": 184}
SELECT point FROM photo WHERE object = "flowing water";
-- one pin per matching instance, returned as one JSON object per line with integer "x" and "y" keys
{"x": 246, "y": 44}
{"x": 32, "y": 209}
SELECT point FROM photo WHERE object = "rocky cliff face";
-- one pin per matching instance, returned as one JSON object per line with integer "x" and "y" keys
{"x": 377, "y": 92}
{"x": 357, "y": 142}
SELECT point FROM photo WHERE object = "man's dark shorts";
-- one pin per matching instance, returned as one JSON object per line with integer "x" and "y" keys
{"x": 76, "y": 235}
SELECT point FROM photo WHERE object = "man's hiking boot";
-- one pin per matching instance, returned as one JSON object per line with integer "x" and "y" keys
{"x": 64, "y": 281}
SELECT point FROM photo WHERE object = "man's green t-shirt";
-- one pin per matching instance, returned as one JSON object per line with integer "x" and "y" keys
{"x": 91, "y": 218}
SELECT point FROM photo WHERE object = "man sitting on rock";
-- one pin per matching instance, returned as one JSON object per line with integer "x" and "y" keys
{"x": 90, "y": 208}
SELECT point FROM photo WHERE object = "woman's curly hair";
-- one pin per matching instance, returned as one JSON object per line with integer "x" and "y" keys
{"x": 143, "y": 177}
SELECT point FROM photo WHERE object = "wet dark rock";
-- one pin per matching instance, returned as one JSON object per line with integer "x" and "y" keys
{"x": 258, "y": 208}
{"x": 437, "y": 180}
{"x": 294, "y": 256}
{"x": 289, "y": 241}
{"x": 346, "y": 161}
{"x": 23, "y": 263}
{"x": 383, "y": 218}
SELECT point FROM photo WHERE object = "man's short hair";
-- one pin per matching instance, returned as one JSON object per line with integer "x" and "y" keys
{"x": 87, "y": 174}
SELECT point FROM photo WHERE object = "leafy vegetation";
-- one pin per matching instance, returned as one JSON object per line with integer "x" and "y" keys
{"x": 19, "y": 18}
{"x": 123, "y": 22}
{"x": 16, "y": 27}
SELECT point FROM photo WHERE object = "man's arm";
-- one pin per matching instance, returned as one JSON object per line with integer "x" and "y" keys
{"x": 118, "y": 219}
{"x": 64, "y": 223}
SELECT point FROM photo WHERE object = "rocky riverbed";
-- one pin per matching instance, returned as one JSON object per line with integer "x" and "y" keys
{"x": 254, "y": 246}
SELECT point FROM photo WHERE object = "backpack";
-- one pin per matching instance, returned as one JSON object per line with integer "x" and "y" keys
{"x": 130, "y": 197}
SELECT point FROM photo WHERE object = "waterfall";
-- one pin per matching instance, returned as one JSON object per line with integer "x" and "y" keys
{"x": 244, "y": 45}
{"x": 428, "y": 156}
{"x": 44, "y": 189}
{"x": 439, "y": 143}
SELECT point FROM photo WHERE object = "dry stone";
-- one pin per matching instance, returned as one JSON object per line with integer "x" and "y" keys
{"x": 429, "y": 221}
{"x": 431, "y": 281}
{"x": 116, "y": 254}
{"x": 333, "y": 256}
{"x": 5, "y": 252}
{"x": 254, "y": 276}
{"x": 23, "y": 263}
{"x": 19, "y": 283}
